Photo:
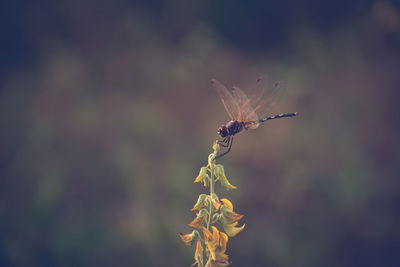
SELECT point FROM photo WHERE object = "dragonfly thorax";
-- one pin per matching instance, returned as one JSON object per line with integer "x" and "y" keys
{"x": 231, "y": 128}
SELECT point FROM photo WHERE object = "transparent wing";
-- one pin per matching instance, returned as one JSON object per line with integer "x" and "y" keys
{"x": 230, "y": 104}
{"x": 258, "y": 92}
{"x": 246, "y": 111}
{"x": 262, "y": 99}
{"x": 256, "y": 100}
{"x": 265, "y": 95}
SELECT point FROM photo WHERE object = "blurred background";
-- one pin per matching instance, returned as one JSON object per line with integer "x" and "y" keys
{"x": 107, "y": 115}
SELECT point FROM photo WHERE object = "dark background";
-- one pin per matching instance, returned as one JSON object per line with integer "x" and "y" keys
{"x": 107, "y": 114}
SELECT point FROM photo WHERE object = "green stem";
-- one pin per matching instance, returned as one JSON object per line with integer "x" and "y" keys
{"x": 212, "y": 182}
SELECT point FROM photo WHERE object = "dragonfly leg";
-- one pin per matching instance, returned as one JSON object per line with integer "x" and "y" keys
{"x": 224, "y": 142}
{"x": 229, "y": 145}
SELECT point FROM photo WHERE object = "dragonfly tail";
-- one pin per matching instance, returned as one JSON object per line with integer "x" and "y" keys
{"x": 285, "y": 115}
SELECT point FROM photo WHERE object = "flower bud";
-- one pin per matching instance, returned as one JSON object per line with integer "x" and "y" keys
{"x": 202, "y": 177}
{"x": 201, "y": 202}
{"x": 220, "y": 174}
{"x": 216, "y": 147}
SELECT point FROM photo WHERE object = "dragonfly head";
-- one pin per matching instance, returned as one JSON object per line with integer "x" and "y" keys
{"x": 223, "y": 131}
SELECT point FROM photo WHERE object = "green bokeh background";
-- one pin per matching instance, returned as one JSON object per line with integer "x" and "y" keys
{"x": 107, "y": 115}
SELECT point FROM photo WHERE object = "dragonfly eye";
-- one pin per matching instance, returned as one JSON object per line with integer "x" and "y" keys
{"x": 223, "y": 131}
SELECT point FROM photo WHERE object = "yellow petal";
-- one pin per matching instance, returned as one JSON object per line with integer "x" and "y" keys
{"x": 201, "y": 202}
{"x": 202, "y": 177}
{"x": 211, "y": 240}
{"x": 227, "y": 203}
{"x": 220, "y": 174}
{"x": 207, "y": 234}
{"x": 198, "y": 254}
{"x": 206, "y": 181}
{"x": 196, "y": 223}
{"x": 188, "y": 238}
{"x": 199, "y": 220}
{"x": 223, "y": 240}
{"x": 215, "y": 234}
{"x": 225, "y": 183}
{"x": 232, "y": 230}
{"x": 229, "y": 215}
{"x": 199, "y": 248}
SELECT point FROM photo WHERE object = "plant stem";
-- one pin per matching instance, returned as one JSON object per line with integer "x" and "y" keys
{"x": 211, "y": 193}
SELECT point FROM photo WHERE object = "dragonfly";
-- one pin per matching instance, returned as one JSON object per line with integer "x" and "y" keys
{"x": 242, "y": 112}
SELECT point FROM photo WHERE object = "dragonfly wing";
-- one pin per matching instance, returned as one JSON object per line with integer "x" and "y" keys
{"x": 246, "y": 111}
{"x": 265, "y": 95}
{"x": 258, "y": 92}
{"x": 230, "y": 104}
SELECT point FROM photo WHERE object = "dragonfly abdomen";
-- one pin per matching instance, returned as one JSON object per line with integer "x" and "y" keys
{"x": 283, "y": 115}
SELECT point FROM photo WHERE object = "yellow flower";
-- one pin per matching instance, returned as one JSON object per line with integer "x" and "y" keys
{"x": 230, "y": 228}
{"x": 198, "y": 255}
{"x": 202, "y": 177}
{"x": 199, "y": 220}
{"x": 227, "y": 203}
{"x": 220, "y": 174}
{"x": 201, "y": 202}
{"x": 221, "y": 256}
{"x": 190, "y": 238}
{"x": 229, "y": 215}
{"x": 212, "y": 240}
{"x": 216, "y": 244}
